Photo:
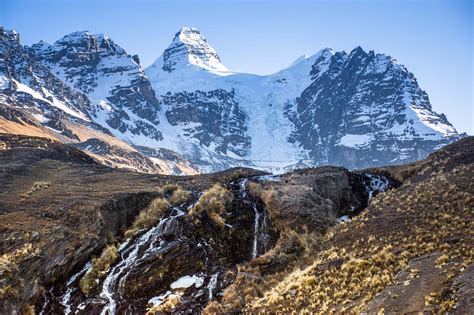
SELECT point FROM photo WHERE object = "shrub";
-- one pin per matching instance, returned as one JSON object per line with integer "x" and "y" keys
{"x": 100, "y": 268}
{"x": 213, "y": 202}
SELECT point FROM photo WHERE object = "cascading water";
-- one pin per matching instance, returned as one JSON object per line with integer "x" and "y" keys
{"x": 130, "y": 253}
{"x": 66, "y": 299}
{"x": 377, "y": 183}
{"x": 255, "y": 232}
{"x": 136, "y": 252}
{"x": 261, "y": 237}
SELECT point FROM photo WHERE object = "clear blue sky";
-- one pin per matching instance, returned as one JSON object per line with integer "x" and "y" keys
{"x": 434, "y": 39}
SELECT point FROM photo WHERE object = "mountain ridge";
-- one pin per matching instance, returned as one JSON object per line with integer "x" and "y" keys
{"x": 329, "y": 108}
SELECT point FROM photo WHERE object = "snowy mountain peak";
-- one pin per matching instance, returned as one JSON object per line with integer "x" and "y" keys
{"x": 86, "y": 42}
{"x": 10, "y": 34}
{"x": 321, "y": 62}
{"x": 189, "y": 47}
{"x": 356, "y": 109}
{"x": 357, "y": 50}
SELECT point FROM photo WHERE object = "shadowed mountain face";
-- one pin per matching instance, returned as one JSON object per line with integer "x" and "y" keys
{"x": 80, "y": 237}
{"x": 357, "y": 109}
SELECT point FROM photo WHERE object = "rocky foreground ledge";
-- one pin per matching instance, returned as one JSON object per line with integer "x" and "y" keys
{"x": 78, "y": 237}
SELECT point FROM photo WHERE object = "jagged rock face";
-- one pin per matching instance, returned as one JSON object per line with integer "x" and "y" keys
{"x": 26, "y": 83}
{"x": 214, "y": 118}
{"x": 114, "y": 80}
{"x": 356, "y": 110}
{"x": 365, "y": 109}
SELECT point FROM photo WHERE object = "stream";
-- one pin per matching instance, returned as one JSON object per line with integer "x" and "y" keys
{"x": 261, "y": 237}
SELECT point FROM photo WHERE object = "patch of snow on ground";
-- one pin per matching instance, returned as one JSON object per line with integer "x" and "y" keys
{"x": 187, "y": 281}
{"x": 343, "y": 218}
{"x": 157, "y": 300}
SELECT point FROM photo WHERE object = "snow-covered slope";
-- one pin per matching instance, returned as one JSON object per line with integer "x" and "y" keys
{"x": 356, "y": 109}
{"x": 63, "y": 106}
{"x": 123, "y": 100}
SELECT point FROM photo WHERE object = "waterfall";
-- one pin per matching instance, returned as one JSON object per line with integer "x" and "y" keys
{"x": 260, "y": 226}
{"x": 261, "y": 236}
{"x": 377, "y": 183}
{"x": 65, "y": 300}
{"x": 134, "y": 251}
{"x": 255, "y": 232}
{"x": 129, "y": 252}
{"x": 212, "y": 285}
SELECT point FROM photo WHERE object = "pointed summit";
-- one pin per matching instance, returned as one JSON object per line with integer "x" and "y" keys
{"x": 189, "y": 47}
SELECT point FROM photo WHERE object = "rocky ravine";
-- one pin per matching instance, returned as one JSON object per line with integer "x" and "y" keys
{"x": 164, "y": 243}
{"x": 67, "y": 208}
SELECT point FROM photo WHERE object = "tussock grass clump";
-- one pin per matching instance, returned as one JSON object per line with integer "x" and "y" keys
{"x": 36, "y": 186}
{"x": 10, "y": 283}
{"x": 28, "y": 309}
{"x": 99, "y": 270}
{"x": 168, "y": 190}
{"x": 212, "y": 203}
{"x": 149, "y": 217}
{"x": 179, "y": 197}
{"x": 169, "y": 194}
{"x": 255, "y": 190}
{"x": 166, "y": 307}
{"x": 213, "y": 308}
{"x": 8, "y": 272}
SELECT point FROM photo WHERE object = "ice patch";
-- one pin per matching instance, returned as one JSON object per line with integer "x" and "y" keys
{"x": 157, "y": 300}
{"x": 187, "y": 281}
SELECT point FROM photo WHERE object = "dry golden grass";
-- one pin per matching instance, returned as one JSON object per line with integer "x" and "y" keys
{"x": 168, "y": 190}
{"x": 28, "y": 309}
{"x": 346, "y": 275}
{"x": 213, "y": 308}
{"x": 169, "y": 194}
{"x": 99, "y": 270}
{"x": 179, "y": 197}
{"x": 9, "y": 269}
{"x": 345, "y": 269}
{"x": 36, "y": 187}
{"x": 213, "y": 203}
{"x": 149, "y": 217}
{"x": 255, "y": 189}
{"x": 171, "y": 303}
